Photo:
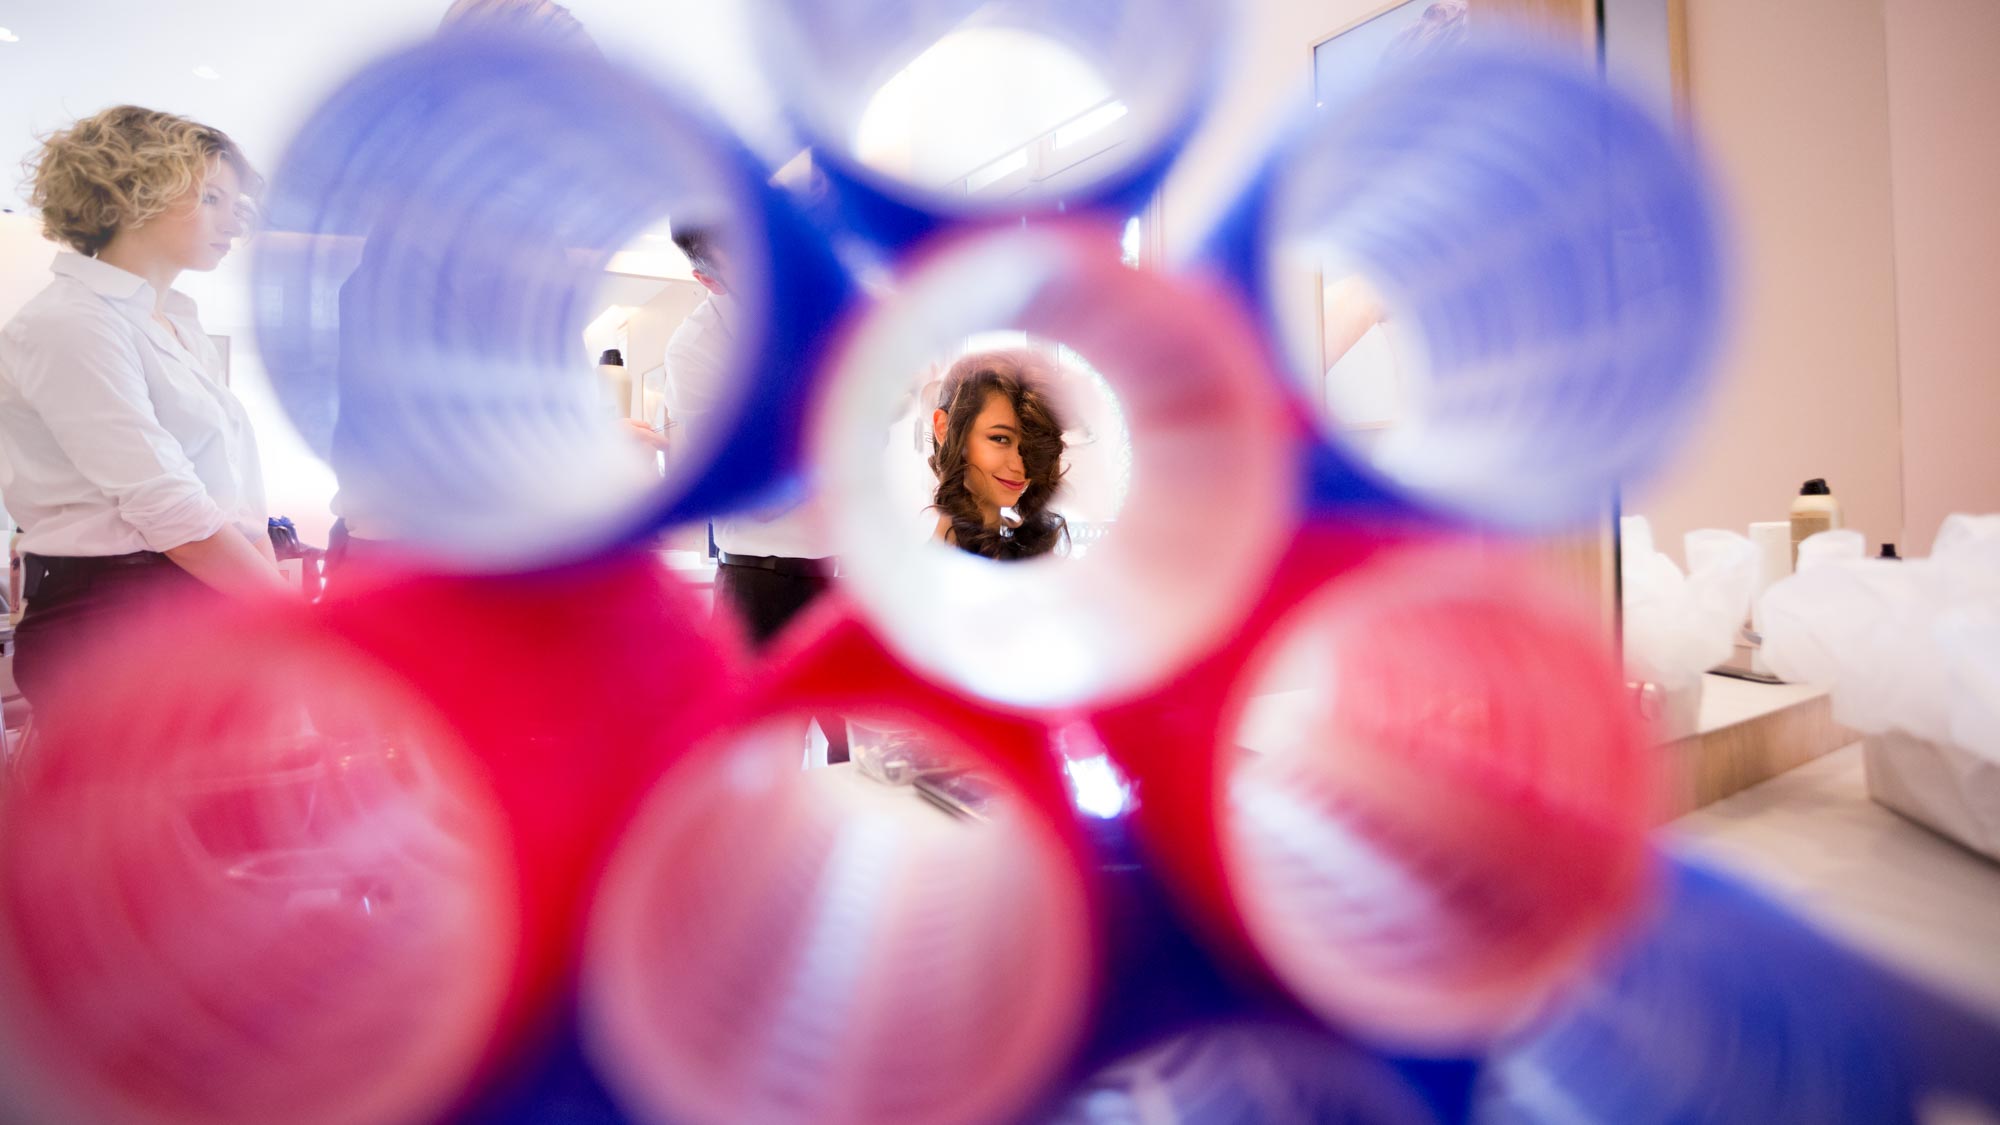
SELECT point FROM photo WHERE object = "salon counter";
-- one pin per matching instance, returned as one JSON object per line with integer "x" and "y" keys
{"x": 1890, "y": 888}
{"x": 1746, "y": 733}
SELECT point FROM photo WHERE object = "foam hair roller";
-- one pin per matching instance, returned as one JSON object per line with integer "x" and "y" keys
{"x": 1549, "y": 261}
{"x": 230, "y": 874}
{"x": 1428, "y": 804}
{"x": 1165, "y": 740}
{"x": 574, "y": 690}
{"x": 434, "y": 235}
{"x": 1209, "y": 439}
{"x": 1156, "y": 61}
{"x": 772, "y": 945}
{"x": 1448, "y": 813}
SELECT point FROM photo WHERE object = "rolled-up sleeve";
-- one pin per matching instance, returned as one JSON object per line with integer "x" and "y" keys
{"x": 83, "y": 377}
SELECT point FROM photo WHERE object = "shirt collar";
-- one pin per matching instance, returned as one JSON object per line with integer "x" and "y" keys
{"x": 107, "y": 280}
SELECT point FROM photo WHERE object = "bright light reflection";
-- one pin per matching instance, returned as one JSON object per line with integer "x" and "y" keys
{"x": 970, "y": 98}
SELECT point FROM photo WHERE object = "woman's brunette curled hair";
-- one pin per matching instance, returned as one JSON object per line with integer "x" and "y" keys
{"x": 1024, "y": 379}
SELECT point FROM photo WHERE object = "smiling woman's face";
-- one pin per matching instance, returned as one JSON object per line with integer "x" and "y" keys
{"x": 993, "y": 469}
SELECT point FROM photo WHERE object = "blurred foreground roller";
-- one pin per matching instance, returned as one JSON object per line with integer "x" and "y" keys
{"x": 844, "y": 66}
{"x": 1424, "y": 805}
{"x": 774, "y": 946}
{"x": 1212, "y": 497}
{"x": 1544, "y": 255}
{"x": 574, "y": 689}
{"x": 1723, "y": 1006}
{"x": 231, "y": 883}
{"x": 434, "y": 240}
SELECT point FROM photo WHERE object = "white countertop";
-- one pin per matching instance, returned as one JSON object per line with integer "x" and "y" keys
{"x": 1881, "y": 883}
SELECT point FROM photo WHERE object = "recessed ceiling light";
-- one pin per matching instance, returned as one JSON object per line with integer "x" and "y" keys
{"x": 207, "y": 72}
{"x": 7, "y": 36}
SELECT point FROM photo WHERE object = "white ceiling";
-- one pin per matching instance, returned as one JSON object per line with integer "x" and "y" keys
{"x": 278, "y": 58}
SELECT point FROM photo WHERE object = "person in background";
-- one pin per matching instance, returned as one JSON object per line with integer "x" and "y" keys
{"x": 768, "y": 567}
{"x": 998, "y": 457}
{"x": 132, "y": 469}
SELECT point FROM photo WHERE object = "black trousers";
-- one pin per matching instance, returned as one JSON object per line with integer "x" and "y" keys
{"x": 74, "y": 601}
{"x": 765, "y": 601}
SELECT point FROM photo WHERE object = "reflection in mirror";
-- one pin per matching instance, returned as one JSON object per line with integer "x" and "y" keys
{"x": 773, "y": 944}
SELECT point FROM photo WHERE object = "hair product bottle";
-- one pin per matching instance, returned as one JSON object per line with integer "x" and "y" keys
{"x": 1815, "y": 510}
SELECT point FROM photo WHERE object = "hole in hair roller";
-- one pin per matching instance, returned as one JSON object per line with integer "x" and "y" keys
{"x": 778, "y": 945}
{"x": 1212, "y": 486}
{"x": 899, "y": 108}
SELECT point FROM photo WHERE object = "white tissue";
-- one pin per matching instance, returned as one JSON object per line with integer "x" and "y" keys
{"x": 1773, "y": 540}
{"x": 1911, "y": 645}
{"x": 1679, "y": 626}
{"x": 1832, "y": 546}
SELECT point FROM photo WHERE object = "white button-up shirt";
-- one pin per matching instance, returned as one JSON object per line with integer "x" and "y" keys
{"x": 700, "y": 357}
{"x": 116, "y": 434}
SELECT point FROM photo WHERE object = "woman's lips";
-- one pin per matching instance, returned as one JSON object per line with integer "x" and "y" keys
{"x": 1010, "y": 485}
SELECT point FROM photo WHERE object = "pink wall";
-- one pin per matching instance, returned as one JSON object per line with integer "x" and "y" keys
{"x": 1944, "y": 91}
{"x": 1790, "y": 100}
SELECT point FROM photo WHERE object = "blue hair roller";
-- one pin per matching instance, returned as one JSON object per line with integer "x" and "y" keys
{"x": 1158, "y": 58}
{"x": 1553, "y": 247}
{"x": 1727, "y": 1008}
{"x": 435, "y": 233}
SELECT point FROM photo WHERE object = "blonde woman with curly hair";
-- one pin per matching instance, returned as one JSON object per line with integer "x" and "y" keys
{"x": 130, "y": 467}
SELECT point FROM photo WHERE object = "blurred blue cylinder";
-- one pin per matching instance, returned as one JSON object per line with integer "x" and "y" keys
{"x": 1549, "y": 256}
{"x": 1159, "y": 60}
{"x": 1729, "y": 1009}
{"x": 435, "y": 235}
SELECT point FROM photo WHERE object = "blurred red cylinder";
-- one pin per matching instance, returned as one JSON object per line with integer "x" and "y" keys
{"x": 247, "y": 875}
{"x": 1427, "y": 802}
{"x": 574, "y": 689}
{"x": 772, "y": 944}
{"x": 1165, "y": 742}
